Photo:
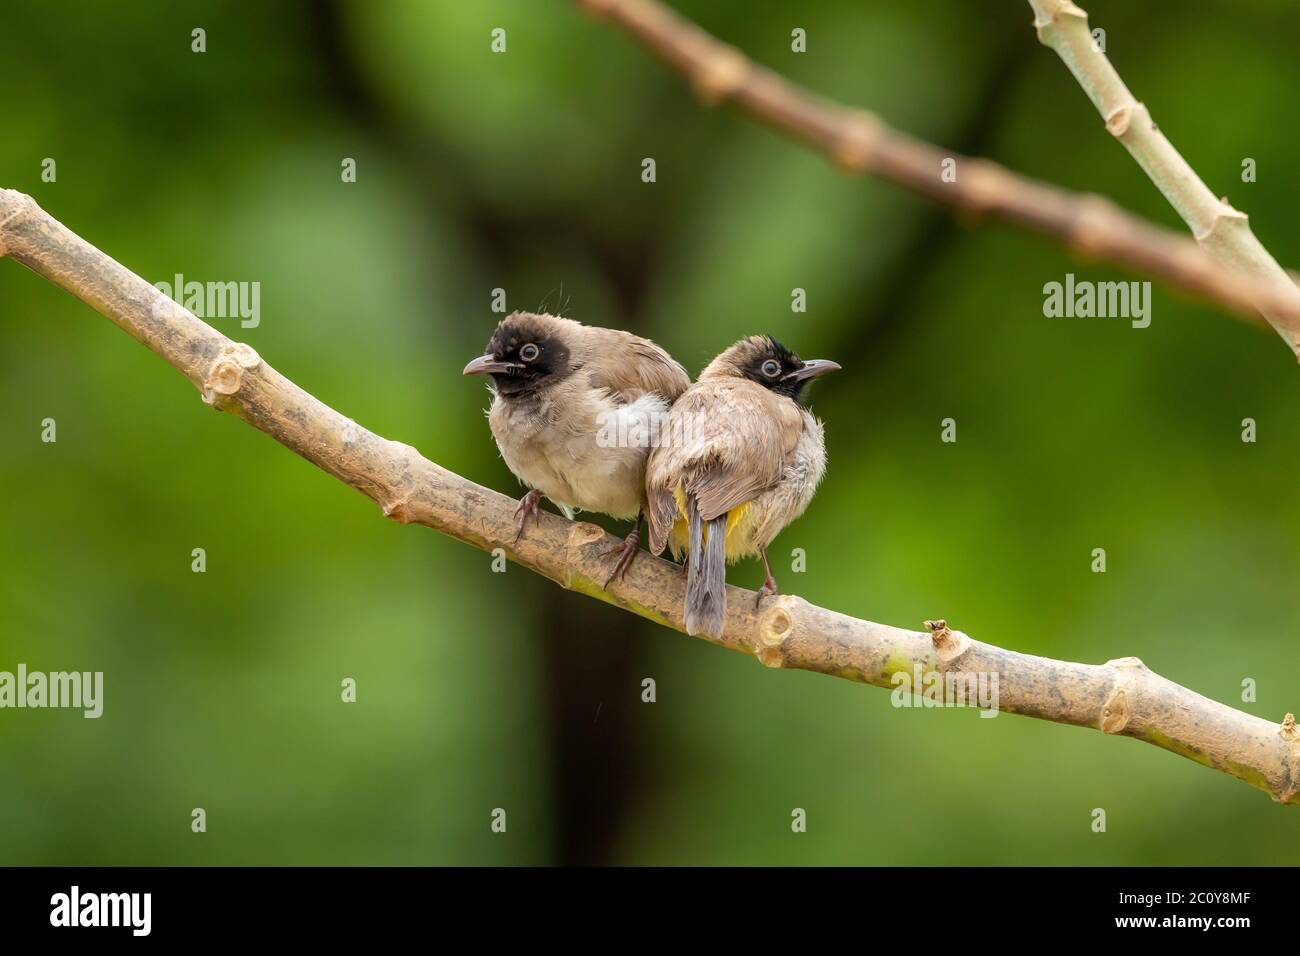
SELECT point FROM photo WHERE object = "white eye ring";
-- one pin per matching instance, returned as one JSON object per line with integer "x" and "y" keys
{"x": 771, "y": 368}
{"x": 529, "y": 352}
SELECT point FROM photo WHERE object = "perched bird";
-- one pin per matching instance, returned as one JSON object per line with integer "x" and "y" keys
{"x": 574, "y": 411}
{"x": 741, "y": 460}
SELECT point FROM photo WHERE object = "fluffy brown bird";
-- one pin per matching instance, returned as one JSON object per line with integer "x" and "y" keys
{"x": 741, "y": 460}
{"x": 574, "y": 411}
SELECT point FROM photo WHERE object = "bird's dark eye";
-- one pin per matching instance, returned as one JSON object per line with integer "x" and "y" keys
{"x": 529, "y": 352}
{"x": 771, "y": 368}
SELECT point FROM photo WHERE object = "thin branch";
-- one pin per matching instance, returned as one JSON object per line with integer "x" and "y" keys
{"x": 860, "y": 142}
{"x": 1223, "y": 232}
{"x": 1119, "y": 697}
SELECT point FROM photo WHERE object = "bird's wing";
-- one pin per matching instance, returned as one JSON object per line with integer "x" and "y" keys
{"x": 727, "y": 441}
{"x": 628, "y": 366}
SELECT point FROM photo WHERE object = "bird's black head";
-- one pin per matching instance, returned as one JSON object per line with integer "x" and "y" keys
{"x": 526, "y": 354}
{"x": 762, "y": 359}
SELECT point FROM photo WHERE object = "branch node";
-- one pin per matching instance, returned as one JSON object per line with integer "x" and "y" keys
{"x": 1045, "y": 19}
{"x": 985, "y": 185}
{"x": 1231, "y": 219}
{"x": 721, "y": 74}
{"x": 1121, "y": 118}
{"x": 1288, "y": 730}
{"x": 775, "y": 626}
{"x": 855, "y": 147}
{"x": 584, "y": 533}
{"x": 950, "y": 644}
{"x": 941, "y": 635}
{"x": 1287, "y": 790}
{"x": 401, "y": 498}
{"x": 1116, "y": 711}
{"x": 399, "y": 509}
{"x": 13, "y": 205}
{"x": 1091, "y": 225}
{"x": 1128, "y": 663}
{"x": 226, "y": 376}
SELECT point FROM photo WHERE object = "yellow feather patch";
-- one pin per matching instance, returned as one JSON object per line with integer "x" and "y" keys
{"x": 734, "y": 516}
{"x": 738, "y": 544}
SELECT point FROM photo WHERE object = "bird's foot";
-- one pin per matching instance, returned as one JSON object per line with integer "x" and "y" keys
{"x": 528, "y": 505}
{"x": 767, "y": 590}
{"x": 769, "y": 585}
{"x": 626, "y": 555}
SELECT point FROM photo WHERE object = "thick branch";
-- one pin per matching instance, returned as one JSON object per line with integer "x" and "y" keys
{"x": 1223, "y": 232}
{"x": 860, "y": 142}
{"x": 1119, "y": 697}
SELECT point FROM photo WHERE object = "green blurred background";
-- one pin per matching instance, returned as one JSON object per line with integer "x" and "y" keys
{"x": 522, "y": 171}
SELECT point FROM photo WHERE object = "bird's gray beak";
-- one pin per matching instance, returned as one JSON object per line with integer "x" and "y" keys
{"x": 488, "y": 365}
{"x": 813, "y": 368}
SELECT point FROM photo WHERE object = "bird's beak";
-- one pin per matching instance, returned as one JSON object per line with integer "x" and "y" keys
{"x": 813, "y": 368}
{"x": 488, "y": 365}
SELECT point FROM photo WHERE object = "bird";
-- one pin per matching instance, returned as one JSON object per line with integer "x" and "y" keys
{"x": 741, "y": 459}
{"x": 574, "y": 411}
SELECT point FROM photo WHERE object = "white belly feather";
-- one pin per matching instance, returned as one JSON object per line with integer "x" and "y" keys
{"x": 590, "y": 458}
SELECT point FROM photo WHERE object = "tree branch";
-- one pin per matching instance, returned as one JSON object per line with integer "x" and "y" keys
{"x": 1119, "y": 697}
{"x": 1223, "y": 232}
{"x": 860, "y": 142}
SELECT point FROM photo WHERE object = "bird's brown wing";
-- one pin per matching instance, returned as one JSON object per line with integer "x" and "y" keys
{"x": 728, "y": 441}
{"x": 750, "y": 435}
{"x": 629, "y": 366}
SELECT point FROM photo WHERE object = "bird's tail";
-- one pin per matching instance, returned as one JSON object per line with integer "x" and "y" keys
{"x": 706, "y": 572}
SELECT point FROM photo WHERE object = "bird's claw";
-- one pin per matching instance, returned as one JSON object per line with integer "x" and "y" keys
{"x": 527, "y": 506}
{"x": 627, "y": 554}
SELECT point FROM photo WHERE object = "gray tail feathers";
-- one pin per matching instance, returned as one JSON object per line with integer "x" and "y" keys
{"x": 706, "y": 573}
